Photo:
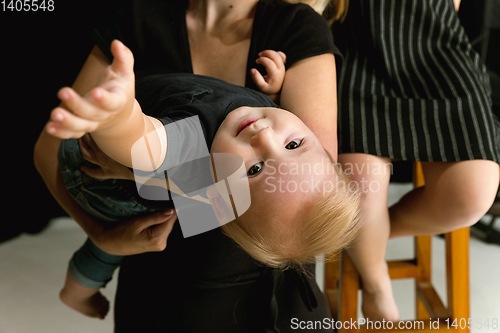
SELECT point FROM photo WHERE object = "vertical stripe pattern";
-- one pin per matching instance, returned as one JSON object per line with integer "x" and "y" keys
{"x": 411, "y": 86}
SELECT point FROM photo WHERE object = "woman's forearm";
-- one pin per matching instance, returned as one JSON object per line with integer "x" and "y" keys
{"x": 310, "y": 92}
{"x": 45, "y": 159}
{"x": 45, "y": 152}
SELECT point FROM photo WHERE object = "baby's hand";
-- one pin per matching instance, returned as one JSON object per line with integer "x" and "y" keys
{"x": 274, "y": 63}
{"x": 109, "y": 103}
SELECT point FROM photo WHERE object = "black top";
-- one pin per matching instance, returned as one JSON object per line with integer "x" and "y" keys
{"x": 206, "y": 283}
{"x": 156, "y": 32}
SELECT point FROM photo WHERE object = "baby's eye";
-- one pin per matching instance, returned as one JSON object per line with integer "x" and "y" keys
{"x": 294, "y": 144}
{"x": 255, "y": 169}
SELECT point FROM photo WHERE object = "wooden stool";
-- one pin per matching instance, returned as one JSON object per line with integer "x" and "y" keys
{"x": 342, "y": 283}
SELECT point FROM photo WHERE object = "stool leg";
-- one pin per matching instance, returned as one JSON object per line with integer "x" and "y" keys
{"x": 423, "y": 246}
{"x": 332, "y": 271}
{"x": 457, "y": 275}
{"x": 348, "y": 291}
{"x": 423, "y": 250}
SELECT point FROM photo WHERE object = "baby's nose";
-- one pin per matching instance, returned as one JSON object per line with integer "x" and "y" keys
{"x": 263, "y": 139}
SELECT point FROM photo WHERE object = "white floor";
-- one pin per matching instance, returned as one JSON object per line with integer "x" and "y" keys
{"x": 32, "y": 271}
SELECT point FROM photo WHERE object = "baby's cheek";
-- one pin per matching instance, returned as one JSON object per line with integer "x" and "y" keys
{"x": 218, "y": 145}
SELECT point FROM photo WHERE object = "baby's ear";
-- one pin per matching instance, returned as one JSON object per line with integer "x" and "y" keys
{"x": 222, "y": 208}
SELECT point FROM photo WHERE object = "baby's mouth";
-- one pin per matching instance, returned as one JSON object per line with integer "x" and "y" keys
{"x": 245, "y": 123}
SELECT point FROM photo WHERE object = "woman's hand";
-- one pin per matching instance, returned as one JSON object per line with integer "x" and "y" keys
{"x": 108, "y": 168}
{"x": 143, "y": 234}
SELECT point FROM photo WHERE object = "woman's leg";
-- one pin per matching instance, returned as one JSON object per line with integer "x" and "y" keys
{"x": 455, "y": 195}
{"x": 372, "y": 175}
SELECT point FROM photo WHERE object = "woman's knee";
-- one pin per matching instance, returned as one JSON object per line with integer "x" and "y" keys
{"x": 480, "y": 196}
{"x": 464, "y": 191}
{"x": 468, "y": 213}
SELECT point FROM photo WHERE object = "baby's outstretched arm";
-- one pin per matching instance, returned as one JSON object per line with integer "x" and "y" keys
{"x": 271, "y": 83}
{"x": 106, "y": 104}
{"x": 111, "y": 114}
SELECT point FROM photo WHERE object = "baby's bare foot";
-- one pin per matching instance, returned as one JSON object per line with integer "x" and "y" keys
{"x": 379, "y": 302}
{"x": 96, "y": 306}
{"x": 378, "y": 306}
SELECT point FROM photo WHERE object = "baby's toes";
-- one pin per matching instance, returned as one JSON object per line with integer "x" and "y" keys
{"x": 100, "y": 305}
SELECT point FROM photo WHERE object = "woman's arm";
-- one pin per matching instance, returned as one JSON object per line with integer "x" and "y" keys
{"x": 45, "y": 153}
{"x": 310, "y": 92}
{"x": 139, "y": 235}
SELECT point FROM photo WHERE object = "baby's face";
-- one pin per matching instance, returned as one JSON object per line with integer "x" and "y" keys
{"x": 284, "y": 160}
{"x": 268, "y": 138}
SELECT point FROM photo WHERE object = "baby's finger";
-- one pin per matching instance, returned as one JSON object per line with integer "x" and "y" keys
{"x": 71, "y": 122}
{"x": 77, "y": 104}
{"x": 268, "y": 63}
{"x": 283, "y": 56}
{"x": 276, "y": 57}
{"x": 123, "y": 62}
{"x": 59, "y": 131}
{"x": 107, "y": 100}
{"x": 258, "y": 79}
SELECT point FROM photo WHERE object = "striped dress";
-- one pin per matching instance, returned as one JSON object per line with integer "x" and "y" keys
{"x": 411, "y": 87}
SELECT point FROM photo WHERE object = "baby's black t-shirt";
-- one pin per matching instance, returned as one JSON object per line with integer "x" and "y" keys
{"x": 172, "y": 97}
{"x": 191, "y": 107}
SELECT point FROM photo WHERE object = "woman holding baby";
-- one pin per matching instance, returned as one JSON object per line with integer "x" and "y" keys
{"x": 206, "y": 282}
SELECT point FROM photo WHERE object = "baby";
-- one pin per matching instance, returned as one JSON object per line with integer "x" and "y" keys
{"x": 300, "y": 204}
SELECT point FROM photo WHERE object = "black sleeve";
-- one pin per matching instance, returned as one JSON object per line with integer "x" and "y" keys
{"x": 297, "y": 30}
{"x": 120, "y": 25}
{"x": 154, "y": 31}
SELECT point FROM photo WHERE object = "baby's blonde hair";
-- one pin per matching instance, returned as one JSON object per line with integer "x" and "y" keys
{"x": 325, "y": 227}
